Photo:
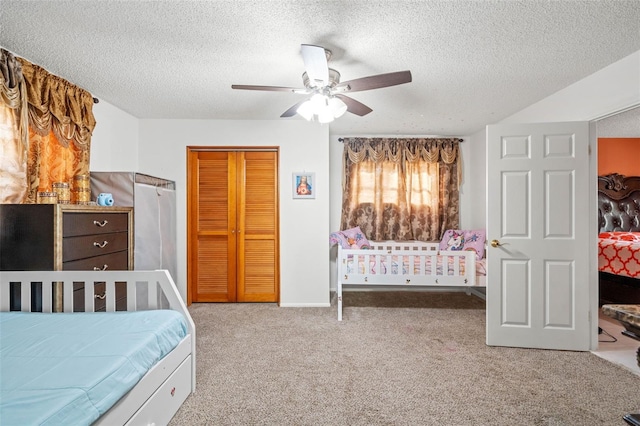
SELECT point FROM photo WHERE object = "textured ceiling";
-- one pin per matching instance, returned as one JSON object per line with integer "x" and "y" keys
{"x": 473, "y": 62}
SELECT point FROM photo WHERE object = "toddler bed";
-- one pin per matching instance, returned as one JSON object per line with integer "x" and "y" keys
{"x": 126, "y": 367}
{"x": 408, "y": 263}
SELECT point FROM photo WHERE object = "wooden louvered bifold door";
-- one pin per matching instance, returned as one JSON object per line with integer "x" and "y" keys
{"x": 257, "y": 220}
{"x": 233, "y": 232}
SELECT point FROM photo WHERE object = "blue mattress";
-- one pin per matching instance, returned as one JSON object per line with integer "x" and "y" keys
{"x": 69, "y": 369}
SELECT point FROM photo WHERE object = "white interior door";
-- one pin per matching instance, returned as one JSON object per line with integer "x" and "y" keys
{"x": 540, "y": 278}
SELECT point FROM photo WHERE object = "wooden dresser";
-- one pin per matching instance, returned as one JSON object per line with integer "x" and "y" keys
{"x": 67, "y": 237}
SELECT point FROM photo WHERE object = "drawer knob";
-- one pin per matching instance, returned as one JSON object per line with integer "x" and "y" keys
{"x": 100, "y": 224}
{"x": 104, "y": 268}
{"x": 101, "y": 245}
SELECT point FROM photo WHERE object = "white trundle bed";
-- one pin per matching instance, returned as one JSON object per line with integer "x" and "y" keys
{"x": 145, "y": 356}
{"x": 408, "y": 264}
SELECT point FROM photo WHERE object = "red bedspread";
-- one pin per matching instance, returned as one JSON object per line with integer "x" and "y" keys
{"x": 619, "y": 253}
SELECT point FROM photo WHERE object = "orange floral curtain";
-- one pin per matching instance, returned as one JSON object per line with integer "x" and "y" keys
{"x": 60, "y": 125}
{"x": 401, "y": 189}
{"x": 13, "y": 130}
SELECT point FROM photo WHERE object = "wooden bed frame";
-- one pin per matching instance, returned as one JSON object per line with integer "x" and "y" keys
{"x": 618, "y": 210}
{"x": 159, "y": 394}
{"x": 463, "y": 264}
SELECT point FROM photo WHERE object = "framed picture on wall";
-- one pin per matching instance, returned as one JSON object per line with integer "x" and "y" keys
{"x": 304, "y": 185}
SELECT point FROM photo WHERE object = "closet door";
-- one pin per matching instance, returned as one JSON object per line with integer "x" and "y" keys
{"x": 233, "y": 233}
{"x": 212, "y": 244}
{"x": 257, "y": 227}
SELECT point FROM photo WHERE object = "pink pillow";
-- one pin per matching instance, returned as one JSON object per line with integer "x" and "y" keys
{"x": 350, "y": 239}
{"x": 458, "y": 239}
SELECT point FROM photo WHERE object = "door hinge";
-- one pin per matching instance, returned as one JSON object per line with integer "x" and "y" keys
{"x": 589, "y": 149}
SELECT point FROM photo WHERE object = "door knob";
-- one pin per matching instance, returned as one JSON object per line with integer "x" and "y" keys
{"x": 495, "y": 243}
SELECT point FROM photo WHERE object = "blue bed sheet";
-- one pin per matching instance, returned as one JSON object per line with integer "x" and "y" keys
{"x": 70, "y": 368}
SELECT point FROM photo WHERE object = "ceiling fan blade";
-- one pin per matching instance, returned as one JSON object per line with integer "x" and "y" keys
{"x": 293, "y": 110}
{"x": 353, "y": 106}
{"x": 315, "y": 63}
{"x": 375, "y": 81}
{"x": 267, "y": 88}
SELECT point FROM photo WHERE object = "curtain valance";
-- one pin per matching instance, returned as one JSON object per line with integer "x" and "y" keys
{"x": 14, "y": 130}
{"x": 59, "y": 106}
{"x": 431, "y": 150}
{"x": 11, "y": 79}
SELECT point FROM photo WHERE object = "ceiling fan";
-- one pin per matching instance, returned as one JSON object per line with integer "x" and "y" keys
{"x": 328, "y": 99}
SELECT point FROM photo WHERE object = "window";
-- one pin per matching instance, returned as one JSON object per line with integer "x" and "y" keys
{"x": 400, "y": 189}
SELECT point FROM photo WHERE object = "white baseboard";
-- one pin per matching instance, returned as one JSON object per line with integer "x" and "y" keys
{"x": 305, "y": 305}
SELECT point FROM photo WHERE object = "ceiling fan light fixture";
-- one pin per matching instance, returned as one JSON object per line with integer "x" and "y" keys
{"x": 319, "y": 102}
{"x": 325, "y": 116}
{"x": 305, "y": 110}
{"x": 312, "y": 106}
{"x": 338, "y": 107}
{"x": 322, "y": 108}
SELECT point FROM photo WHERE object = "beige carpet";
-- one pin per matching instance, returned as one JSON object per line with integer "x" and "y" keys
{"x": 406, "y": 358}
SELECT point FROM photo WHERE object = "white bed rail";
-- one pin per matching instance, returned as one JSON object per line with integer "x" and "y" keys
{"x": 419, "y": 246}
{"x": 146, "y": 290}
{"x": 392, "y": 263}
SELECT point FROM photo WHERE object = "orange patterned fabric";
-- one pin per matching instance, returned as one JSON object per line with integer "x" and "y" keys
{"x": 621, "y": 236}
{"x": 619, "y": 253}
{"x": 60, "y": 125}
{"x": 50, "y": 161}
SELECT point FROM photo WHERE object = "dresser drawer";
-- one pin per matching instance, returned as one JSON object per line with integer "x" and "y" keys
{"x": 113, "y": 261}
{"x": 74, "y": 248}
{"x": 99, "y": 297}
{"x": 75, "y": 224}
{"x": 167, "y": 399}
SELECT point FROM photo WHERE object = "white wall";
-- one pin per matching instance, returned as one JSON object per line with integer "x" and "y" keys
{"x": 614, "y": 88}
{"x": 335, "y": 201}
{"x": 114, "y": 143}
{"x": 121, "y": 142}
{"x": 473, "y": 189}
{"x": 304, "y": 223}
